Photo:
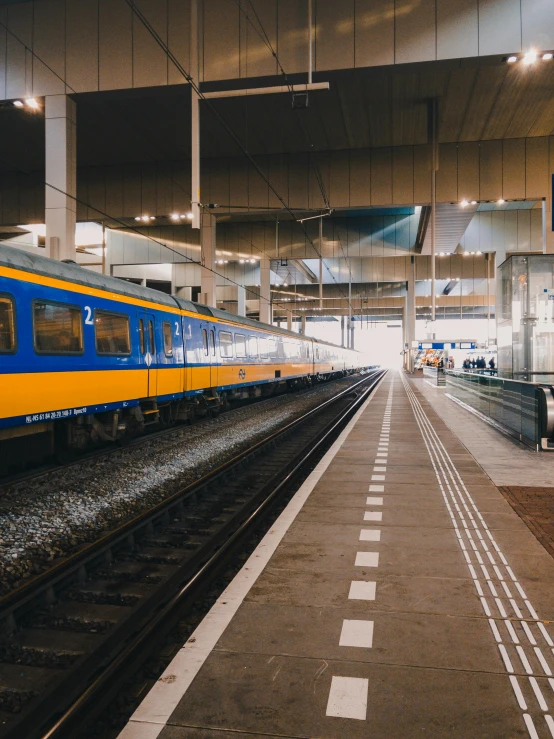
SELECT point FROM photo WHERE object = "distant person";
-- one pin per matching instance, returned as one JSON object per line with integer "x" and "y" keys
{"x": 492, "y": 364}
{"x": 473, "y": 363}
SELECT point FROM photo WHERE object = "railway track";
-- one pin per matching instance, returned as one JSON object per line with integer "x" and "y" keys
{"x": 70, "y": 635}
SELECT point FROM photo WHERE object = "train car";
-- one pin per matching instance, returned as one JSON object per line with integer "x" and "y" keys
{"x": 86, "y": 358}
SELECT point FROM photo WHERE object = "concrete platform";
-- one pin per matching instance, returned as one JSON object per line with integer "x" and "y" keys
{"x": 399, "y": 595}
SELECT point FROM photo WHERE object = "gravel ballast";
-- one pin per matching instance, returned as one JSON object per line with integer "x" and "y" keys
{"x": 49, "y": 517}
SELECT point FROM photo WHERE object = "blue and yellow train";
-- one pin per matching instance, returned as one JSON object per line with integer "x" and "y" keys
{"x": 87, "y": 358}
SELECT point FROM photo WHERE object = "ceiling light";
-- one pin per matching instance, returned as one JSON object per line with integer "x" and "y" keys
{"x": 174, "y": 216}
{"x": 546, "y": 57}
{"x": 530, "y": 57}
{"x": 474, "y": 202}
{"x": 18, "y": 103}
{"x": 511, "y": 59}
{"x": 190, "y": 216}
{"x": 478, "y": 252}
{"x": 285, "y": 284}
{"x": 500, "y": 201}
{"x": 32, "y": 103}
{"x": 145, "y": 218}
{"x": 241, "y": 261}
{"x": 138, "y": 218}
{"x": 464, "y": 203}
{"x": 152, "y": 218}
{"x": 252, "y": 261}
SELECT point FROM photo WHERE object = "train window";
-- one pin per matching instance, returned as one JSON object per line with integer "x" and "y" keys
{"x": 272, "y": 347}
{"x": 240, "y": 345}
{"x": 141, "y": 337}
{"x": 226, "y": 344}
{"x": 152, "y": 338}
{"x": 7, "y": 325}
{"x": 168, "y": 339}
{"x": 252, "y": 346}
{"x": 205, "y": 341}
{"x": 112, "y": 333}
{"x": 280, "y": 349}
{"x": 57, "y": 328}
{"x": 263, "y": 347}
{"x": 212, "y": 341}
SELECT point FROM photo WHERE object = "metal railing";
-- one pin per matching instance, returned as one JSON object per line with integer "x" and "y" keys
{"x": 434, "y": 375}
{"x": 524, "y": 410}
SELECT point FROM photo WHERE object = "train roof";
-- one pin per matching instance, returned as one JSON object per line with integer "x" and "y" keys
{"x": 18, "y": 259}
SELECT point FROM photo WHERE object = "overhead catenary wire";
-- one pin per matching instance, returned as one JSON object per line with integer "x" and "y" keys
{"x": 171, "y": 56}
{"x": 97, "y": 210}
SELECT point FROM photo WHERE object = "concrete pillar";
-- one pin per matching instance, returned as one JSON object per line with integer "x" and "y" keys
{"x": 342, "y": 330}
{"x": 60, "y": 173}
{"x": 352, "y": 334}
{"x": 548, "y": 225}
{"x": 303, "y": 325}
{"x": 410, "y": 314}
{"x": 265, "y": 291}
{"x": 289, "y": 321}
{"x": 241, "y": 300}
{"x": 207, "y": 259}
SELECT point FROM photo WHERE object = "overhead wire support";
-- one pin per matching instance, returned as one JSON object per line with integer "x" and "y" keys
{"x": 155, "y": 35}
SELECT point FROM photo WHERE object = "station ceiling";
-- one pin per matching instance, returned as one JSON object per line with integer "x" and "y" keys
{"x": 479, "y": 99}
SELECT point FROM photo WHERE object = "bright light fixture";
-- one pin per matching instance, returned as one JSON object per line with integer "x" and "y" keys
{"x": 190, "y": 216}
{"x": 285, "y": 284}
{"x": 530, "y": 57}
{"x": 241, "y": 261}
{"x": 464, "y": 203}
{"x": 32, "y": 103}
{"x": 474, "y": 202}
{"x": 478, "y": 252}
{"x": 174, "y": 216}
{"x": 252, "y": 261}
{"x": 152, "y": 218}
{"x": 18, "y": 103}
{"x": 547, "y": 56}
{"x": 500, "y": 201}
{"x": 138, "y": 218}
{"x": 512, "y": 59}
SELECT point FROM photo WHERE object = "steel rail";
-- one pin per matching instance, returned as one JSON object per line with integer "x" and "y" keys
{"x": 152, "y": 630}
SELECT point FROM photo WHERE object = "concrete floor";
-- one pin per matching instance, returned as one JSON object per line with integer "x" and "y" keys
{"x": 403, "y": 597}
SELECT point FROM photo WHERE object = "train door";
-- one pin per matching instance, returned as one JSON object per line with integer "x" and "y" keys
{"x": 213, "y": 356}
{"x": 209, "y": 355}
{"x": 147, "y": 345}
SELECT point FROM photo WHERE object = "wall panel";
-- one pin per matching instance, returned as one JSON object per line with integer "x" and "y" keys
{"x": 82, "y": 45}
{"x": 422, "y": 174}
{"x": 116, "y": 45}
{"x": 259, "y": 60}
{"x": 537, "y": 24}
{"x": 374, "y": 33}
{"x": 360, "y": 178}
{"x": 221, "y": 50}
{"x": 178, "y": 38}
{"x": 499, "y": 26}
{"x": 403, "y": 175}
{"x": 3, "y": 51}
{"x": 149, "y": 59}
{"x": 292, "y": 44}
{"x": 447, "y": 180}
{"x": 49, "y": 46}
{"x": 415, "y": 37}
{"x": 457, "y": 29}
{"x": 536, "y": 170}
{"x": 19, "y": 66}
{"x": 490, "y": 170}
{"x": 334, "y": 38}
{"x": 468, "y": 171}
{"x": 513, "y": 168}
{"x": 339, "y": 175}
{"x": 381, "y": 176}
